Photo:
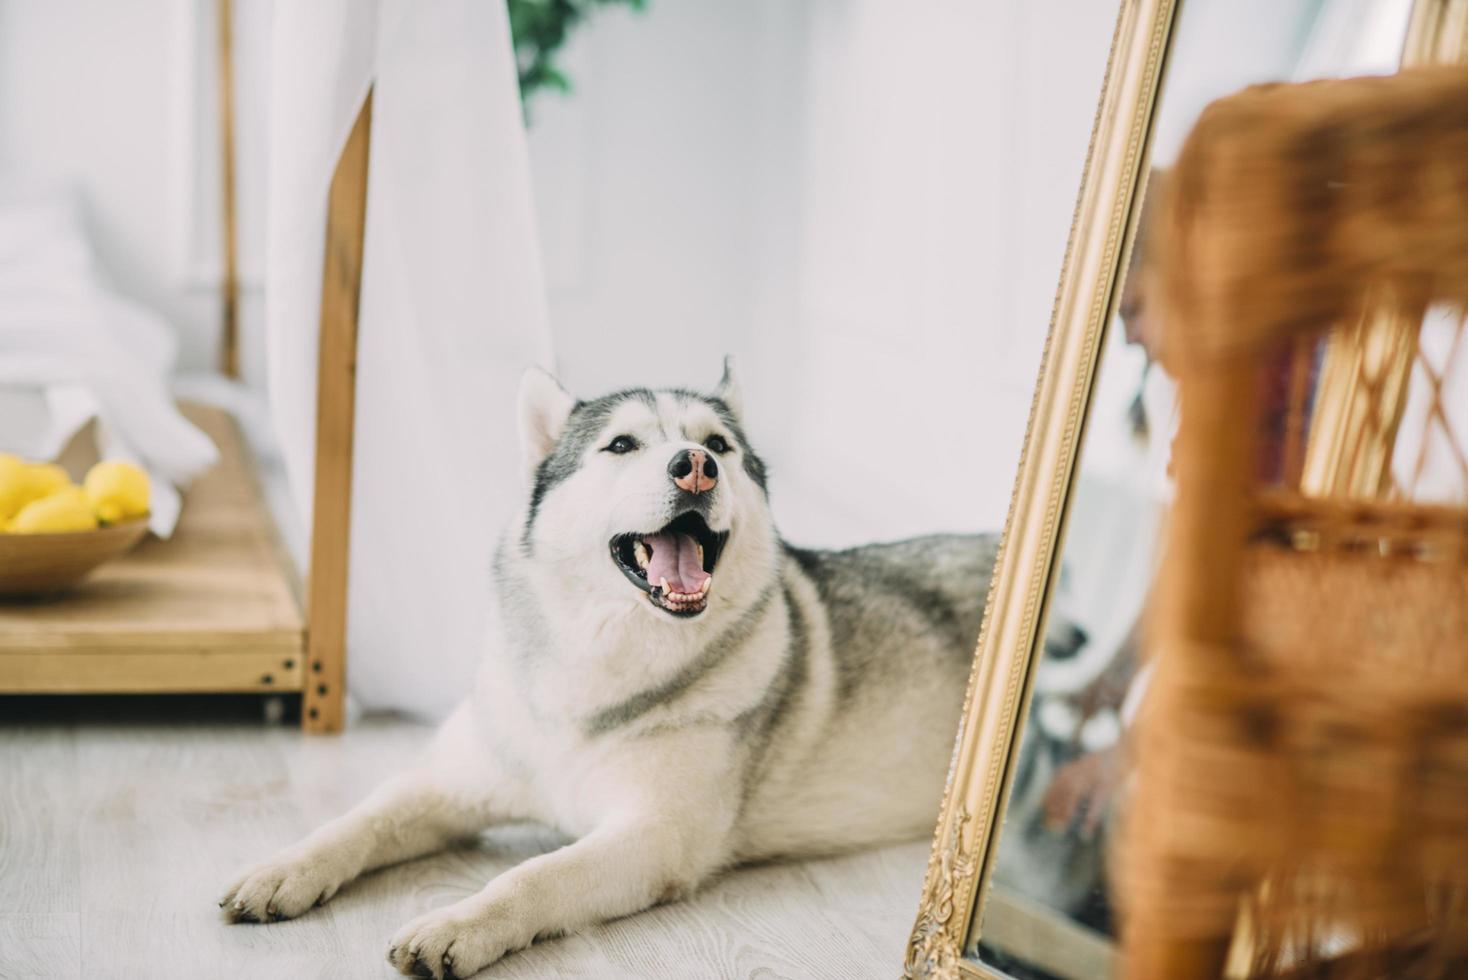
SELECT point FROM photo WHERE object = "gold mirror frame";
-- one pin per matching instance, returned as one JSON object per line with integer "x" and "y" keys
{"x": 977, "y": 787}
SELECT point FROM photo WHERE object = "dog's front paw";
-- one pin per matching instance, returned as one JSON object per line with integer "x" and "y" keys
{"x": 281, "y": 889}
{"x": 453, "y": 942}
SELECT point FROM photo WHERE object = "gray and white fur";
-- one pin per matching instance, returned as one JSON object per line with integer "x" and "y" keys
{"x": 774, "y": 702}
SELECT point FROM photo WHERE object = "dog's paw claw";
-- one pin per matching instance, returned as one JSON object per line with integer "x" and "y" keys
{"x": 449, "y": 944}
{"x": 281, "y": 890}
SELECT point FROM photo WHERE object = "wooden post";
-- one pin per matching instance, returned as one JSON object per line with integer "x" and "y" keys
{"x": 229, "y": 341}
{"x": 336, "y": 391}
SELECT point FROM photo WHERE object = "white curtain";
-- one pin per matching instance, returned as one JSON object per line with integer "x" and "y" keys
{"x": 452, "y": 312}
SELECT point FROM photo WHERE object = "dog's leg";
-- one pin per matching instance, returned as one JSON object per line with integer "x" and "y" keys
{"x": 412, "y": 814}
{"x": 657, "y": 852}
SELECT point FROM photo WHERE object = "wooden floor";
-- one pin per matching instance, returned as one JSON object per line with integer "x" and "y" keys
{"x": 121, "y": 820}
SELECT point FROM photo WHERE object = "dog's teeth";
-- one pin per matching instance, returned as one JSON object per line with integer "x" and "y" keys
{"x": 664, "y": 583}
{"x": 704, "y": 588}
{"x": 639, "y": 551}
{"x": 700, "y": 553}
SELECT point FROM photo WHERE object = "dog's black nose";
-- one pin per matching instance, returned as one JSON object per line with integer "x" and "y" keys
{"x": 693, "y": 470}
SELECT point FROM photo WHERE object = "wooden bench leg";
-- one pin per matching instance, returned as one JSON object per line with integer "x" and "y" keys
{"x": 336, "y": 390}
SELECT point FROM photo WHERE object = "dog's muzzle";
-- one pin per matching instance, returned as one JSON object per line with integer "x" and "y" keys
{"x": 674, "y": 566}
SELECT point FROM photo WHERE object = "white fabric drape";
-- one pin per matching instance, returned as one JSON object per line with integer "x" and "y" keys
{"x": 74, "y": 348}
{"x": 452, "y": 312}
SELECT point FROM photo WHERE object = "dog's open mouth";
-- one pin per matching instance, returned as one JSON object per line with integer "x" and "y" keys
{"x": 675, "y": 566}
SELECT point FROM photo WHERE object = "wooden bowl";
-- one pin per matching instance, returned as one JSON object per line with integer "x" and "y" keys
{"x": 37, "y": 564}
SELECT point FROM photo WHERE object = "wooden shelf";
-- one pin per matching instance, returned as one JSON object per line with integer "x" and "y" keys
{"x": 215, "y": 608}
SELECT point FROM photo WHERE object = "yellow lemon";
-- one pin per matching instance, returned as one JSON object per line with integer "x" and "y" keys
{"x": 65, "y": 510}
{"x": 15, "y": 486}
{"x": 117, "y": 491}
{"x": 22, "y": 482}
{"x": 47, "y": 478}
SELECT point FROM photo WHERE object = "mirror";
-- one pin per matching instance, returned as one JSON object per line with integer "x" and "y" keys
{"x": 1018, "y": 885}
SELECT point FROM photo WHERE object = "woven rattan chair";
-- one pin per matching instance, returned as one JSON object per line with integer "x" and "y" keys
{"x": 1301, "y": 797}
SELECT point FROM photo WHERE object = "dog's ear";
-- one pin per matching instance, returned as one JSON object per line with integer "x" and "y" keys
{"x": 544, "y": 408}
{"x": 728, "y": 389}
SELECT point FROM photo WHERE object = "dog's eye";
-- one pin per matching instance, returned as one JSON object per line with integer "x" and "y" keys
{"x": 620, "y": 445}
{"x": 717, "y": 443}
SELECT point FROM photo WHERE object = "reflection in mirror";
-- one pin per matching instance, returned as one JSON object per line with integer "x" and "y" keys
{"x": 1047, "y": 913}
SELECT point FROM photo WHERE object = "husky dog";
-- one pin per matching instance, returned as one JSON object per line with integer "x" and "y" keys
{"x": 668, "y": 683}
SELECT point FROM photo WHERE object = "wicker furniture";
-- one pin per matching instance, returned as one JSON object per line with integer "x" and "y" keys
{"x": 1301, "y": 803}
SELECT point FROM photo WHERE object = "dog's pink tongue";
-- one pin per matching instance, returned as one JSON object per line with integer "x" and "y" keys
{"x": 675, "y": 558}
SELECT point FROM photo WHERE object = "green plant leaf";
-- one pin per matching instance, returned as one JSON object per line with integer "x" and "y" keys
{"x": 540, "y": 28}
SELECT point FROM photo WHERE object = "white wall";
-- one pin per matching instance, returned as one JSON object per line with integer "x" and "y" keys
{"x": 866, "y": 201}
{"x": 649, "y": 187}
